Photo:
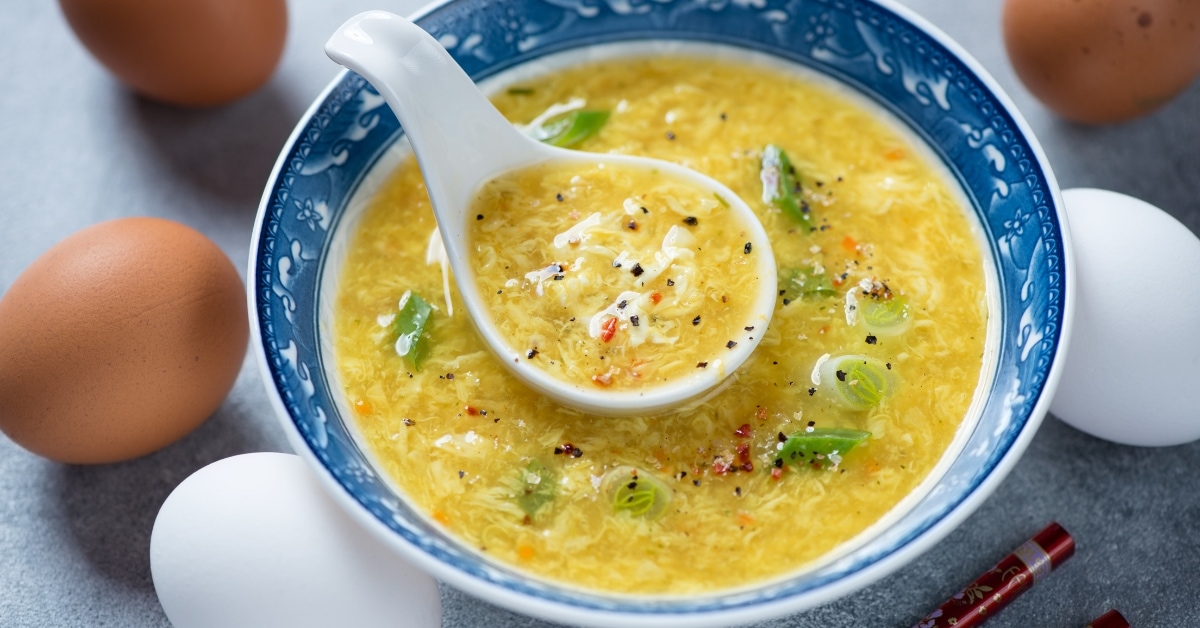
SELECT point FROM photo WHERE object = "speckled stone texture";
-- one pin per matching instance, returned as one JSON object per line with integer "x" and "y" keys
{"x": 78, "y": 149}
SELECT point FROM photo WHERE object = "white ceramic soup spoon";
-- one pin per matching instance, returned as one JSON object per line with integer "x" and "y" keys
{"x": 461, "y": 141}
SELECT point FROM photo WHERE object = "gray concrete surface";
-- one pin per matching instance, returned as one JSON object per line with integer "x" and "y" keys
{"x": 76, "y": 148}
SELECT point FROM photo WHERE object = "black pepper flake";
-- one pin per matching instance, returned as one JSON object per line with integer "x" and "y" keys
{"x": 731, "y": 344}
{"x": 841, "y": 375}
{"x": 723, "y": 116}
{"x": 449, "y": 375}
{"x": 532, "y": 353}
{"x": 812, "y": 423}
{"x": 750, "y": 328}
{"x": 871, "y": 339}
{"x": 499, "y": 292}
{"x": 559, "y": 277}
{"x": 691, "y": 220}
{"x": 633, "y": 320}
{"x": 632, "y": 485}
{"x": 782, "y": 438}
{"x": 746, "y": 249}
{"x": 622, "y": 304}
{"x": 409, "y": 422}
{"x": 671, "y": 135}
{"x": 632, "y": 224}
{"x": 779, "y": 463}
{"x": 559, "y": 196}
{"x": 812, "y": 391}
{"x": 478, "y": 216}
{"x": 696, "y": 321}
{"x": 702, "y": 365}
{"x": 616, "y": 264}
{"x": 786, "y": 301}
{"x": 644, "y": 210}
{"x": 889, "y": 366}
{"x": 737, "y": 490}
{"x": 461, "y": 473}
{"x": 695, "y": 482}
{"x": 670, "y": 282}
{"x": 637, "y": 270}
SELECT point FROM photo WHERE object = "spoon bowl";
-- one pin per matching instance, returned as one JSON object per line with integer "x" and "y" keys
{"x": 461, "y": 142}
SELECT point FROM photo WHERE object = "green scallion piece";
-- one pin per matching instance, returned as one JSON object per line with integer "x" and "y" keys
{"x": 637, "y": 493}
{"x": 781, "y": 186}
{"x": 571, "y": 129}
{"x": 857, "y": 382}
{"x": 821, "y": 447}
{"x": 411, "y": 327}
{"x": 885, "y": 317}
{"x": 537, "y": 487}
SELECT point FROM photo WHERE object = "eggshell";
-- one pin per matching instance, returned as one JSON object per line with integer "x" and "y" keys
{"x": 119, "y": 340}
{"x": 253, "y": 541}
{"x": 1134, "y": 359}
{"x": 1100, "y": 61}
{"x": 184, "y": 52}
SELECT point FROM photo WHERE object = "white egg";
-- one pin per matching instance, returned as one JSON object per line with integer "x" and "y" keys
{"x": 253, "y": 541}
{"x": 1133, "y": 363}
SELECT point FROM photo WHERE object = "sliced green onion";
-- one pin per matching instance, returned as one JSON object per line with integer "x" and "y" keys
{"x": 573, "y": 128}
{"x": 637, "y": 493}
{"x": 537, "y": 487}
{"x": 823, "y": 447}
{"x": 856, "y": 382}
{"x": 781, "y": 187}
{"x": 411, "y": 328}
{"x": 885, "y": 317}
{"x": 798, "y": 284}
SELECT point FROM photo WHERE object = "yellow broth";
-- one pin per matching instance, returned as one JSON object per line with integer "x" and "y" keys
{"x": 613, "y": 277}
{"x": 459, "y": 435}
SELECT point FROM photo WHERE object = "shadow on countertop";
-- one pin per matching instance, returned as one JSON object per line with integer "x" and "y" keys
{"x": 110, "y": 509}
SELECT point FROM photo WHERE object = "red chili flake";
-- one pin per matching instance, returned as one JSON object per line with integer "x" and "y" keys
{"x": 655, "y": 297}
{"x": 777, "y": 472}
{"x": 568, "y": 449}
{"x": 721, "y": 466}
{"x": 760, "y": 413}
{"x": 604, "y": 379}
{"x": 471, "y": 410}
{"x": 608, "y": 329}
{"x": 743, "y": 431}
{"x": 743, "y": 452}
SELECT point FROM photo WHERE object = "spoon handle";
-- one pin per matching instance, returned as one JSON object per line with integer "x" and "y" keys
{"x": 459, "y": 138}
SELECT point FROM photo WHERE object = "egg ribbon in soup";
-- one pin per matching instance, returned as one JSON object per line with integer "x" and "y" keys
{"x": 857, "y": 389}
{"x": 611, "y": 276}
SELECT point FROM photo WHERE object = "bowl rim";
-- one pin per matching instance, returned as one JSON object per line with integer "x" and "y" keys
{"x": 903, "y": 553}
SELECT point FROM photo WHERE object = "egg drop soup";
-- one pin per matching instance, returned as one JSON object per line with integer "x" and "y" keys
{"x": 863, "y": 378}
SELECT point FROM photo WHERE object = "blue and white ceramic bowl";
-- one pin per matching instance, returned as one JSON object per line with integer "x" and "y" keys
{"x": 876, "y": 49}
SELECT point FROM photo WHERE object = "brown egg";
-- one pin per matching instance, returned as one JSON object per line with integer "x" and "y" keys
{"x": 119, "y": 340}
{"x": 1101, "y": 61}
{"x": 183, "y": 52}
